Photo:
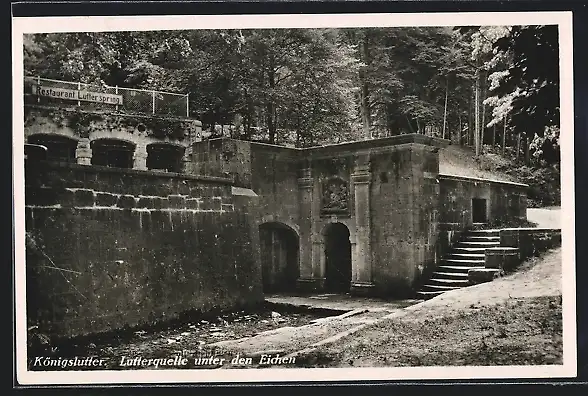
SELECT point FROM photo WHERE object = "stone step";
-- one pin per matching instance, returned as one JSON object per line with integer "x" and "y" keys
{"x": 462, "y": 257}
{"x": 457, "y": 275}
{"x": 464, "y": 262}
{"x": 457, "y": 283}
{"x": 465, "y": 250}
{"x": 461, "y": 269}
{"x": 482, "y": 233}
{"x": 476, "y": 238}
{"x": 426, "y": 295}
{"x": 480, "y": 252}
{"x": 478, "y": 244}
{"x": 429, "y": 287}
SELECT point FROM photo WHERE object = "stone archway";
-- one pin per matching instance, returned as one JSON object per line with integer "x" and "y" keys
{"x": 338, "y": 262}
{"x": 165, "y": 157}
{"x": 112, "y": 153}
{"x": 279, "y": 257}
{"x": 59, "y": 148}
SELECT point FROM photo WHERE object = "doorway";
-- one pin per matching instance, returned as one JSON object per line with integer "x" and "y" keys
{"x": 479, "y": 208}
{"x": 112, "y": 153}
{"x": 279, "y": 257}
{"x": 337, "y": 258}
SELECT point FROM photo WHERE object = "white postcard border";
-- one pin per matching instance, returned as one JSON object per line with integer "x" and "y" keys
{"x": 140, "y": 23}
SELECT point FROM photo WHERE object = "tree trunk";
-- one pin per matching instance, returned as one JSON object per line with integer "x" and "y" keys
{"x": 271, "y": 107}
{"x": 477, "y": 114}
{"x": 409, "y": 124}
{"x": 527, "y": 151}
{"x": 445, "y": 109}
{"x": 494, "y": 136}
{"x": 518, "y": 146}
{"x": 471, "y": 120}
{"x": 364, "y": 93}
{"x": 504, "y": 137}
{"x": 483, "y": 123}
{"x": 459, "y": 136}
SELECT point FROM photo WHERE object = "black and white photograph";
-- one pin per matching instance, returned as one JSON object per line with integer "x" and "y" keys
{"x": 252, "y": 198}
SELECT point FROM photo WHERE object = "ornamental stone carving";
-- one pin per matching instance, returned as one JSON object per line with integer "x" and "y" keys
{"x": 335, "y": 196}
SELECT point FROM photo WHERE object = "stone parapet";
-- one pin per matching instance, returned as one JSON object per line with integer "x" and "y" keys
{"x": 530, "y": 241}
{"x": 310, "y": 284}
{"x": 503, "y": 258}
{"x": 482, "y": 275}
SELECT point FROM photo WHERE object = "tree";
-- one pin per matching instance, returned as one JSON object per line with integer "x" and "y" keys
{"x": 525, "y": 85}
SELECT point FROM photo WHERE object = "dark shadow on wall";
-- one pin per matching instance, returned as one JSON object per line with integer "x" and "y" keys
{"x": 279, "y": 257}
{"x": 337, "y": 258}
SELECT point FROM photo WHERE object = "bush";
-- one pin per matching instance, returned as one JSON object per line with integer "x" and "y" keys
{"x": 544, "y": 185}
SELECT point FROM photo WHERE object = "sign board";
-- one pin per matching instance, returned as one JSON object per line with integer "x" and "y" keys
{"x": 72, "y": 94}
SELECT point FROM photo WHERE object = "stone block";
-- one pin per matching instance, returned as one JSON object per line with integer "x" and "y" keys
{"x": 40, "y": 196}
{"x": 192, "y": 203}
{"x": 66, "y": 198}
{"x": 145, "y": 202}
{"x": 310, "y": 285}
{"x": 126, "y": 202}
{"x": 362, "y": 289}
{"x": 158, "y": 202}
{"x": 503, "y": 258}
{"x": 216, "y": 204}
{"x": 84, "y": 197}
{"x": 184, "y": 187}
{"x": 177, "y": 201}
{"x": 205, "y": 204}
{"x": 482, "y": 275}
{"x": 227, "y": 207}
{"x": 106, "y": 199}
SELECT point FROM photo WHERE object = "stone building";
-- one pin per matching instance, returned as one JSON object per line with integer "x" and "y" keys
{"x": 367, "y": 217}
{"x": 144, "y": 207}
{"x": 107, "y": 129}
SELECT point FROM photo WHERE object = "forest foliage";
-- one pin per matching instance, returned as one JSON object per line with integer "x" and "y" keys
{"x": 485, "y": 86}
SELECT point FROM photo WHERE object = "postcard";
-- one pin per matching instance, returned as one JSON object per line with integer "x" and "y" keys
{"x": 309, "y": 197}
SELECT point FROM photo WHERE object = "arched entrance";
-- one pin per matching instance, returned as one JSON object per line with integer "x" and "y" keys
{"x": 59, "y": 148}
{"x": 165, "y": 157}
{"x": 112, "y": 152}
{"x": 337, "y": 258}
{"x": 279, "y": 257}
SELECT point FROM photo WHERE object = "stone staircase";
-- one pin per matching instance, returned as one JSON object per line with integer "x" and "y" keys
{"x": 468, "y": 253}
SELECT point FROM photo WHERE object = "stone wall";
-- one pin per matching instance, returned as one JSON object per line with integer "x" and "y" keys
{"x": 530, "y": 241}
{"x": 506, "y": 201}
{"x": 404, "y": 212}
{"x": 109, "y": 248}
{"x": 275, "y": 172}
{"x": 85, "y": 127}
{"x": 400, "y": 213}
{"x": 271, "y": 172}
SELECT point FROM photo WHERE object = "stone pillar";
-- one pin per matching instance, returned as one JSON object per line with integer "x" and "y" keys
{"x": 140, "y": 157}
{"x": 361, "y": 282}
{"x": 84, "y": 152}
{"x": 310, "y": 243}
{"x": 187, "y": 160}
{"x": 318, "y": 260}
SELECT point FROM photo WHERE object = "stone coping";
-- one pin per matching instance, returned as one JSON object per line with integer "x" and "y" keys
{"x": 536, "y": 229}
{"x": 126, "y": 171}
{"x": 113, "y": 113}
{"x": 477, "y": 179}
{"x": 246, "y": 192}
{"x": 413, "y": 138}
{"x": 502, "y": 249}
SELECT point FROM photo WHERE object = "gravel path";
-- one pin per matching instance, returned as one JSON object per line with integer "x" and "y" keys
{"x": 511, "y": 320}
{"x": 549, "y": 217}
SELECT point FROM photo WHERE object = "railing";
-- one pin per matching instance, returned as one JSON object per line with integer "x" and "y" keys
{"x": 104, "y": 97}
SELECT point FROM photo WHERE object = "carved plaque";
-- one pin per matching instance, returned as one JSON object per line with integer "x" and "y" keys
{"x": 335, "y": 196}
